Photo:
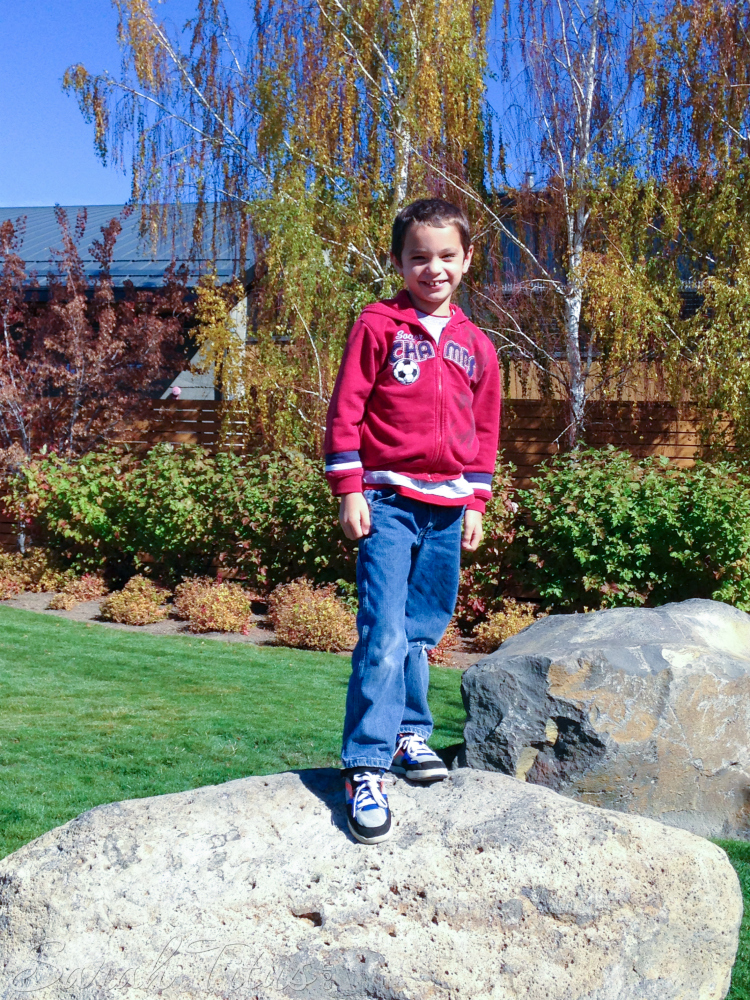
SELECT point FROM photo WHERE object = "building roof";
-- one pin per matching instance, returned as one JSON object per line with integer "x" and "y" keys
{"x": 138, "y": 257}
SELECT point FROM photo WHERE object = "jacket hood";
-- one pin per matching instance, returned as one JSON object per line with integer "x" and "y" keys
{"x": 402, "y": 310}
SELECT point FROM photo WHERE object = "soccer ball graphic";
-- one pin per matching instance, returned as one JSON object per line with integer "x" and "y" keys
{"x": 406, "y": 372}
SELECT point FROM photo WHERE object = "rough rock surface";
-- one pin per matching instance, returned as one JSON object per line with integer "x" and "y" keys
{"x": 489, "y": 888}
{"x": 640, "y": 710}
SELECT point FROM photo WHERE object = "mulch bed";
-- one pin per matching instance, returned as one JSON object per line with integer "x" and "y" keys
{"x": 260, "y": 633}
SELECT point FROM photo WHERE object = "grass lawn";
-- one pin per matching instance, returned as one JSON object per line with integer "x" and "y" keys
{"x": 91, "y": 715}
{"x": 739, "y": 855}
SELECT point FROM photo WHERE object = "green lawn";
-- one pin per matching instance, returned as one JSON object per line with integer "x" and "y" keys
{"x": 739, "y": 855}
{"x": 91, "y": 715}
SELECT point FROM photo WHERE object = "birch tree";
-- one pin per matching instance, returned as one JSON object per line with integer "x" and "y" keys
{"x": 569, "y": 75}
{"x": 696, "y": 66}
{"x": 321, "y": 122}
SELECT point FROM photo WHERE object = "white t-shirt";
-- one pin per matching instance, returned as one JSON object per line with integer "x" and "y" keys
{"x": 434, "y": 325}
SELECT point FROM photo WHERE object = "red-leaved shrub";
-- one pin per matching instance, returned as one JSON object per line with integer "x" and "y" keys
{"x": 450, "y": 642}
{"x": 86, "y": 588}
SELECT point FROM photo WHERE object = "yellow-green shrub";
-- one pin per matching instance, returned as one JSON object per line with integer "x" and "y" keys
{"x": 140, "y": 602}
{"x": 512, "y": 617}
{"x": 306, "y": 617}
{"x": 43, "y": 571}
{"x": 10, "y": 585}
{"x": 86, "y": 588}
{"x": 211, "y": 606}
{"x": 38, "y": 571}
{"x": 187, "y": 593}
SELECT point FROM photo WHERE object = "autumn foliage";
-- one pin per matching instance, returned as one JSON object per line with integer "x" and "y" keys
{"x": 88, "y": 587}
{"x": 79, "y": 356}
{"x": 213, "y": 606}
{"x": 309, "y": 617}
{"x": 37, "y": 571}
{"x": 140, "y": 602}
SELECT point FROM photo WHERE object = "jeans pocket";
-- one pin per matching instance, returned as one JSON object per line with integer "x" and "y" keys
{"x": 379, "y": 496}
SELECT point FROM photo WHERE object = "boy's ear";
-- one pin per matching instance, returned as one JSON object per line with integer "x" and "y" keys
{"x": 397, "y": 264}
{"x": 467, "y": 258}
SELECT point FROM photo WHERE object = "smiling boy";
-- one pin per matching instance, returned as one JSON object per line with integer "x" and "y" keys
{"x": 411, "y": 442}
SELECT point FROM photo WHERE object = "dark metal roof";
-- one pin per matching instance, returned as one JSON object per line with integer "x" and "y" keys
{"x": 138, "y": 257}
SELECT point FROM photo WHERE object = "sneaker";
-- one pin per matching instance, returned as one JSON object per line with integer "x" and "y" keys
{"x": 367, "y": 809}
{"x": 415, "y": 760}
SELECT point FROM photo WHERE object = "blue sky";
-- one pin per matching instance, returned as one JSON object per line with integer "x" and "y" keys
{"x": 46, "y": 148}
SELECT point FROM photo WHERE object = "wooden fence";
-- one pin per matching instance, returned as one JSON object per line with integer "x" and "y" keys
{"x": 532, "y": 431}
{"x": 8, "y": 534}
{"x": 181, "y": 421}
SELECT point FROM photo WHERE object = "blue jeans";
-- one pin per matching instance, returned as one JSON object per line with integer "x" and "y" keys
{"x": 407, "y": 578}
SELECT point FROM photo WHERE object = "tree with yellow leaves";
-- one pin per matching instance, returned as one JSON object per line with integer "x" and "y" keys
{"x": 317, "y": 121}
{"x": 320, "y": 126}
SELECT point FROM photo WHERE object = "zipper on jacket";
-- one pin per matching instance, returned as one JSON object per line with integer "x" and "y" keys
{"x": 439, "y": 354}
{"x": 439, "y": 435}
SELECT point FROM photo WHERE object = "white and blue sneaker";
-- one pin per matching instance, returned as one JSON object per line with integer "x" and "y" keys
{"x": 367, "y": 811}
{"x": 415, "y": 761}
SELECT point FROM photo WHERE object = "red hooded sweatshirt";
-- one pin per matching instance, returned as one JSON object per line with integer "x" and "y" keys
{"x": 404, "y": 404}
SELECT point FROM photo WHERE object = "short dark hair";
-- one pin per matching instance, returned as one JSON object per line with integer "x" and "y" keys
{"x": 429, "y": 212}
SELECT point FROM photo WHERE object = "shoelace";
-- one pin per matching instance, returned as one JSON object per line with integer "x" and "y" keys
{"x": 414, "y": 746}
{"x": 369, "y": 794}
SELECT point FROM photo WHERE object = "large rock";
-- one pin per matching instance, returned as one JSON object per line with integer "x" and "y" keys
{"x": 639, "y": 710}
{"x": 489, "y": 888}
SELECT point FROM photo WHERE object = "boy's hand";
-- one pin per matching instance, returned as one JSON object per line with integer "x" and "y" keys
{"x": 473, "y": 533}
{"x": 354, "y": 516}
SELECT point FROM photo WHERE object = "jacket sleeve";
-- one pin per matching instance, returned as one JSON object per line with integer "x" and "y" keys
{"x": 363, "y": 358}
{"x": 487, "y": 412}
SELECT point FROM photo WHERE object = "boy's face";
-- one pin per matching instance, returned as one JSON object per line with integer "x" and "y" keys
{"x": 432, "y": 265}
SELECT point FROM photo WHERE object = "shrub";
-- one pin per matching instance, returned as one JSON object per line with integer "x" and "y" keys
{"x": 43, "y": 570}
{"x": 302, "y": 537}
{"x": 604, "y": 529}
{"x": 211, "y": 606}
{"x": 188, "y": 593}
{"x": 270, "y": 516}
{"x": 38, "y": 571}
{"x": 487, "y": 573}
{"x": 511, "y": 618}
{"x": 308, "y": 618}
{"x": 10, "y": 585}
{"x": 140, "y": 602}
{"x": 85, "y": 588}
{"x": 450, "y": 642}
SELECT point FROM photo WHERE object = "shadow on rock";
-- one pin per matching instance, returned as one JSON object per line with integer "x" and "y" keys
{"x": 326, "y": 784}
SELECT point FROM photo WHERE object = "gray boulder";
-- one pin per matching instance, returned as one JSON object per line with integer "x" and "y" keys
{"x": 640, "y": 710}
{"x": 490, "y": 889}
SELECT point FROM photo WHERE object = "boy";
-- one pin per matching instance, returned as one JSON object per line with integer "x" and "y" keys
{"x": 411, "y": 441}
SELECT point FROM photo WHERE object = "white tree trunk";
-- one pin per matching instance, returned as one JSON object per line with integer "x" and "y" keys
{"x": 577, "y": 220}
{"x": 402, "y": 145}
{"x": 577, "y": 385}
